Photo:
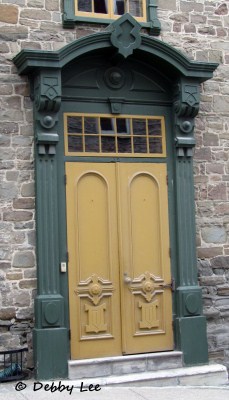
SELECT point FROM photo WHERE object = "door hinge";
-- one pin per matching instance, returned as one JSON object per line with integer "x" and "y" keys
{"x": 167, "y": 179}
{"x": 171, "y": 285}
{"x": 69, "y": 334}
{"x": 65, "y": 179}
{"x": 67, "y": 256}
{"x": 170, "y": 252}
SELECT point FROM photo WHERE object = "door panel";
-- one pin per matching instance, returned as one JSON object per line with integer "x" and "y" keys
{"x": 117, "y": 216}
{"x": 93, "y": 260}
{"x": 144, "y": 258}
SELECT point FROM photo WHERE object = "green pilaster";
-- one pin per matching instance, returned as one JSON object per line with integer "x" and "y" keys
{"x": 50, "y": 333}
{"x": 190, "y": 323}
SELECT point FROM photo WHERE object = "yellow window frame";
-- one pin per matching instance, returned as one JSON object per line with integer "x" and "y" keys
{"x": 110, "y": 14}
{"x": 116, "y": 135}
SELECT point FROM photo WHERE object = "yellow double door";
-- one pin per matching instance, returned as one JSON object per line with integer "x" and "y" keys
{"x": 119, "y": 266}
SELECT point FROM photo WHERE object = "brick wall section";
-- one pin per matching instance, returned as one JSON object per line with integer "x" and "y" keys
{"x": 197, "y": 28}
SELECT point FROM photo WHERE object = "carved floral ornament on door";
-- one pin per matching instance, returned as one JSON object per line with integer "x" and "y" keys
{"x": 44, "y": 68}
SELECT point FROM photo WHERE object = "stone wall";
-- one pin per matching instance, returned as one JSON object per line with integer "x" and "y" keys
{"x": 200, "y": 29}
{"x": 197, "y": 28}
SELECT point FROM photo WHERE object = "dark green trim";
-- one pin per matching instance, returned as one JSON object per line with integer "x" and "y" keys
{"x": 191, "y": 339}
{"x": 51, "y": 358}
{"x": 50, "y": 304}
{"x": 70, "y": 18}
{"x": 29, "y": 61}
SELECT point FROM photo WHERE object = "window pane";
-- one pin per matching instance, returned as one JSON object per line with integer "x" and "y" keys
{"x": 108, "y": 144}
{"x": 155, "y": 145}
{"x": 74, "y": 124}
{"x": 140, "y": 145}
{"x": 154, "y": 127}
{"x": 124, "y": 145}
{"x": 139, "y": 127}
{"x": 85, "y": 5}
{"x": 90, "y": 125}
{"x": 119, "y": 7}
{"x": 75, "y": 143}
{"x": 135, "y": 8}
{"x": 100, "y": 6}
{"x": 107, "y": 126}
{"x": 123, "y": 126}
{"x": 92, "y": 144}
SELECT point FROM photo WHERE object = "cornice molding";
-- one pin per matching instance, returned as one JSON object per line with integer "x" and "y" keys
{"x": 30, "y": 61}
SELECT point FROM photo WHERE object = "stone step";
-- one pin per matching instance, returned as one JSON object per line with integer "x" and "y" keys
{"x": 122, "y": 365}
{"x": 206, "y": 375}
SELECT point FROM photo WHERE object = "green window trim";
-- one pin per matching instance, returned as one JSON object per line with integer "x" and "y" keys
{"x": 70, "y": 18}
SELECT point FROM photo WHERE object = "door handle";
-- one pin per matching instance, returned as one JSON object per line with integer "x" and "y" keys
{"x": 127, "y": 279}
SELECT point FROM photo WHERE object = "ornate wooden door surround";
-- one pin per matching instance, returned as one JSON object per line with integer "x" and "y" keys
{"x": 119, "y": 266}
{"x": 46, "y": 71}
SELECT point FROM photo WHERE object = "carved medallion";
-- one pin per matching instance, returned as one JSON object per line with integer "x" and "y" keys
{"x": 114, "y": 78}
{"x": 94, "y": 288}
{"x": 147, "y": 285}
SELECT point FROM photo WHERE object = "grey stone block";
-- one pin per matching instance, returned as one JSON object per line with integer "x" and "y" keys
{"x": 128, "y": 367}
{"x": 24, "y": 259}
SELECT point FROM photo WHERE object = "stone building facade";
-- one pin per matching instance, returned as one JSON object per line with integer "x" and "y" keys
{"x": 199, "y": 29}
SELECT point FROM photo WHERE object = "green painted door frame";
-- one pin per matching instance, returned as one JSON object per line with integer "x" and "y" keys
{"x": 46, "y": 71}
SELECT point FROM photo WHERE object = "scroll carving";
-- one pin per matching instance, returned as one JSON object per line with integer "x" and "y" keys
{"x": 186, "y": 107}
{"x": 47, "y": 99}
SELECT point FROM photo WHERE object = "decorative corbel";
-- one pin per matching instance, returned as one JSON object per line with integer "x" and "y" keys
{"x": 186, "y": 107}
{"x": 47, "y": 99}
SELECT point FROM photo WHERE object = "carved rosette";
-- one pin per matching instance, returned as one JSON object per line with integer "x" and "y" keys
{"x": 94, "y": 289}
{"x": 47, "y": 99}
{"x": 186, "y": 107}
{"x": 147, "y": 285}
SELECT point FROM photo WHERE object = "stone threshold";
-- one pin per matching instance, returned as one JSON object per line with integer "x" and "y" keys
{"x": 206, "y": 375}
{"x": 121, "y": 365}
{"x": 151, "y": 369}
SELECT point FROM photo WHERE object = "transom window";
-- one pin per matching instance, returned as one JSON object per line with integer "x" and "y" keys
{"x": 125, "y": 135}
{"x": 111, "y": 8}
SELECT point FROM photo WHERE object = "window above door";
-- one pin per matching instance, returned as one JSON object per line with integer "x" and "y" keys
{"x": 107, "y": 11}
{"x": 111, "y": 8}
{"x": 105, "y": 134}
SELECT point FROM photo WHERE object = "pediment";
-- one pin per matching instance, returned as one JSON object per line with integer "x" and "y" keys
{"x": 91, "y": 77}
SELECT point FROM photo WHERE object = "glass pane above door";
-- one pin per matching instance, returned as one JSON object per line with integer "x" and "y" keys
{"x": 125, "y": 135}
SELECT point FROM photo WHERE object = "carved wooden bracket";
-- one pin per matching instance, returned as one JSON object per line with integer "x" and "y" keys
{"x": 47, "y": 99}
{"x": 186, "y": 107}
